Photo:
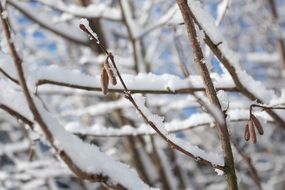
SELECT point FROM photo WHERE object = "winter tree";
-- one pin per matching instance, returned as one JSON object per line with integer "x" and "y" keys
{"x": 153, "y": 94}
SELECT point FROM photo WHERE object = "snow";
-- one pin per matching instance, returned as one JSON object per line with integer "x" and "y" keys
{"x": 198, "y": 153}
{"x": 208, "y": 25}
{"x": 90, "y": 159}
{"x": 3, "y": 43}
{"x": 206, "y": 20}
{"x": 278, "y": 100}
{"x": 43, "y": 19}
{"x": 221, "y": 11}
{"x": 157, "y": 24}
{"x": 212, "y": 109}
{"x": 194, "y": 120}
{"x": 134, "y": 28}
{"x": 142, "y": 81}
{"x": 94, "y": 10}
{"x": 85, "y": 22}
{"x": 14, "y": 147}
{"x": 219, "y": 172}
{"x": 100, "y": 108}
{"x": 262, "y": 57}
{"x": 14, "y": 99}
{"x": 173, "y": 183}
{"x": 214, "y": 158}
{"x": 223, "y": 98}
{"x": 157, "y": 120}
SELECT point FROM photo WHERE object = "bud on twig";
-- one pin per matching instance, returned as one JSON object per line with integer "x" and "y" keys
{"x": 104, "y": 81}
{"x": 83, "y": 28}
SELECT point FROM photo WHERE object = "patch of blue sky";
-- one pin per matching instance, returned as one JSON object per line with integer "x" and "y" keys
{"x": 39, "y": 35}
{"x": 217, "y": 65}
{"x": 23, "y": 33}
{"x": 24, "y": 20}
{"x": 190, "y": 110}
{"x": 168, "y": 65}
{"x": 52, "y": 47}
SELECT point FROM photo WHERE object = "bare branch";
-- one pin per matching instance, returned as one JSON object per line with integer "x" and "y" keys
{"x": 129, "y": 96}
{"x": 49, "y": 134}
{"x": 57, "y": 30}
{"x": 211, "y": 93}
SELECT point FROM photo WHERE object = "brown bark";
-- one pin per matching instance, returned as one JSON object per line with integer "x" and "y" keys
{"x": 211, "y": 93}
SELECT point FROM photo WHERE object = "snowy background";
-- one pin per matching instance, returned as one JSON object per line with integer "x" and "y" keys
{"x": 151, "y": 48}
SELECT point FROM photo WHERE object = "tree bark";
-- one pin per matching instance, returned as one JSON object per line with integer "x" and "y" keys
{"x": 211, "y": 93}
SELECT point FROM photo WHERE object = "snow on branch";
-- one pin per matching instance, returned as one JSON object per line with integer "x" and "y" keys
{"x": 88, "y": 158}
{"x": 61, "y": 29}
{"x": 147, "y": 83}
{"x": 177, "y": 143}
{"x": 11, "y": 99}
{"x": 98, "y": 10}
{"x": 155, "y": 122}
{"x": 245, "y": 83}
{"x": 207, "y": 23}
{"x": 196, "y": 120}
{"x": 85, "y": 160}
{"x": 84, "y": 25}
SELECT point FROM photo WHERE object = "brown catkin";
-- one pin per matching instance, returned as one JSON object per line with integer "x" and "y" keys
{"x": 110, "y": 72}
{"x": 246, "y": 133}
{"x": 104, "y": 81}
{"x": 252, "y": 133}
{"x": 257, "y": 125}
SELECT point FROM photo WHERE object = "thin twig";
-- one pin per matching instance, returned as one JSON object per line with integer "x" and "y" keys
{"x": 265, "y": 107}
{"x": 17, "y": 115}
{"x": 129, "y": 96}
{"x": 38, "y": 118}
{"x": 252, "y": 169}
{"x": 231, "y": 69}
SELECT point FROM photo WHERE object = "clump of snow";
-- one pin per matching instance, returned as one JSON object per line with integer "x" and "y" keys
{"x": 88, "y": 157}
{"x": 219, "y": 172}
{"x": 85, "y": 22}
{"x": 280, "y": 100}
{"x": 85, "y": 156}
{"x": 221, "y": 11}
{"x": 214, "y": 158}
{"x": 223, "y": 98}
{"x": 157, "y": 120}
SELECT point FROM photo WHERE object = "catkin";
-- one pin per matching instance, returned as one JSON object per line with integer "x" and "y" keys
{"x": 246, "y": 133}
{"x": 110, "y": 72}
{"x": 104, "y": 81}
{"x": 252, "y": 131}
{"x": 257, "y": 125}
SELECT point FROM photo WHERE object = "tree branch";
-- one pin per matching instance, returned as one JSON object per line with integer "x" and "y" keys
{"x": 211, "y": 93}
{"x": 98, "y": 177}
{"x": 232, "y": 70}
